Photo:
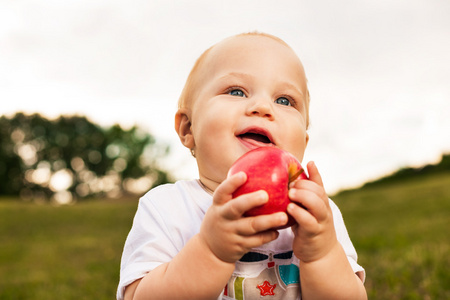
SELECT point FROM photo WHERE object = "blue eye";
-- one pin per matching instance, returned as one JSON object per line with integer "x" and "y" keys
{"x": 283, "y": 101}
{"x": 237, "y": 93}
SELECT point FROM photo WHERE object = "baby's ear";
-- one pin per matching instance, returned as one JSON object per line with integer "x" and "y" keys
{"x": 183, "y": 127}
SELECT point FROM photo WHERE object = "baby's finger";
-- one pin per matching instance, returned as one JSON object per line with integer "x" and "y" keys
{"x": 304, "y": 219}
{"x": 235, "y": 208}
{"x": 314, "y": 174}
{"x": 308, "y": 185}
{"x": 316, "y": 205}
{"x": 253, "y": 225}
{"x": 261, "y": 238}
{"x": 224, "y": 191}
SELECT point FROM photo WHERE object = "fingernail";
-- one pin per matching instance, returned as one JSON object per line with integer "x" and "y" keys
{"x": 263, "y": 195}
{"x": 292, "y": 192}
{"x": 290, "y": 207}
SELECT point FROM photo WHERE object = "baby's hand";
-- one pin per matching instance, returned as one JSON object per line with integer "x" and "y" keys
{"x": 228, "y": 234}
{"x": 314, "y": 232}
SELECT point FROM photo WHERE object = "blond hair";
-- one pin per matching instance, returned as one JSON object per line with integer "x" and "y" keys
{"x": 192, "y": 81}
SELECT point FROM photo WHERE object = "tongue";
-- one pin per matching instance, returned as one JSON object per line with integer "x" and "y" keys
{"x": 256, "y": 137}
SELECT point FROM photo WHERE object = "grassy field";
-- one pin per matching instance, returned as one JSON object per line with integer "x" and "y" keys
{"x": 400, "y": 231}
{"x": 49, "y": 252}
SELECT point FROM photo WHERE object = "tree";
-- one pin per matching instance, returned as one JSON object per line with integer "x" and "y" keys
{"x": 71, "y": 157}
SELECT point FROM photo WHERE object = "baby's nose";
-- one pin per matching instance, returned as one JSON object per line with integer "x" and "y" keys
{"x": 261, "y": 108}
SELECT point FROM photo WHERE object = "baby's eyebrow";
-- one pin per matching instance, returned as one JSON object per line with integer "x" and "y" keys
{"x": 238, "y": 75}
{"x": 293, "y": 87}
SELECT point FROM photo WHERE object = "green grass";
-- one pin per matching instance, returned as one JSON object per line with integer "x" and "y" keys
{"x": 400, "y": 230}
{"x": 401, "y": 233}
{"x": 49, "y": 252}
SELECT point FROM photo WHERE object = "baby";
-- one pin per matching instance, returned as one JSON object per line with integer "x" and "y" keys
{"x": 190, "y": 240}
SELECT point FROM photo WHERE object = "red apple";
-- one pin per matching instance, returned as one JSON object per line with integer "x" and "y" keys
{"x": 270, "y": 169}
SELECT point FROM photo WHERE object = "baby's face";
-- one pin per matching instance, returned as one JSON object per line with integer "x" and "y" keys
{"x": 252, "y": 94}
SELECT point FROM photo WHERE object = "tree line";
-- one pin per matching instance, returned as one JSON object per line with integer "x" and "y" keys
{"x": 72, "y": 158}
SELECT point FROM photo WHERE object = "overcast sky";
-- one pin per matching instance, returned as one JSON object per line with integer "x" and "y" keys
{"x": 378, "y": 71}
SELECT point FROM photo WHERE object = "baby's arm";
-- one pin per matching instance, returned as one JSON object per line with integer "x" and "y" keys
{"x": 205, "y": 264}
{"x": 325, "y": 272}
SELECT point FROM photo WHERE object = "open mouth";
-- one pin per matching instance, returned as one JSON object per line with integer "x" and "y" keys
{"x": 256, "y": 137}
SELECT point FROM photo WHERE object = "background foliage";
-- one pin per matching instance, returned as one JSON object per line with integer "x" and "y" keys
{"x": 71, "y": 157}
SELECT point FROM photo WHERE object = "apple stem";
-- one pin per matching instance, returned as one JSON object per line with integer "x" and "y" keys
{"x": 293, "y": 177}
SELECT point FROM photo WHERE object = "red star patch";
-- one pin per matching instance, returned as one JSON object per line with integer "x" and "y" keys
{"x": 267, "y": 289}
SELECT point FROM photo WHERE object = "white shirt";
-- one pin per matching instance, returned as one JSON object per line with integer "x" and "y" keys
{"x": 169, "y": 215}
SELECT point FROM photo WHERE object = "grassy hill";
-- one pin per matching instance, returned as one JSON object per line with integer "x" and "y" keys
{"x": 399, "y": 228}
